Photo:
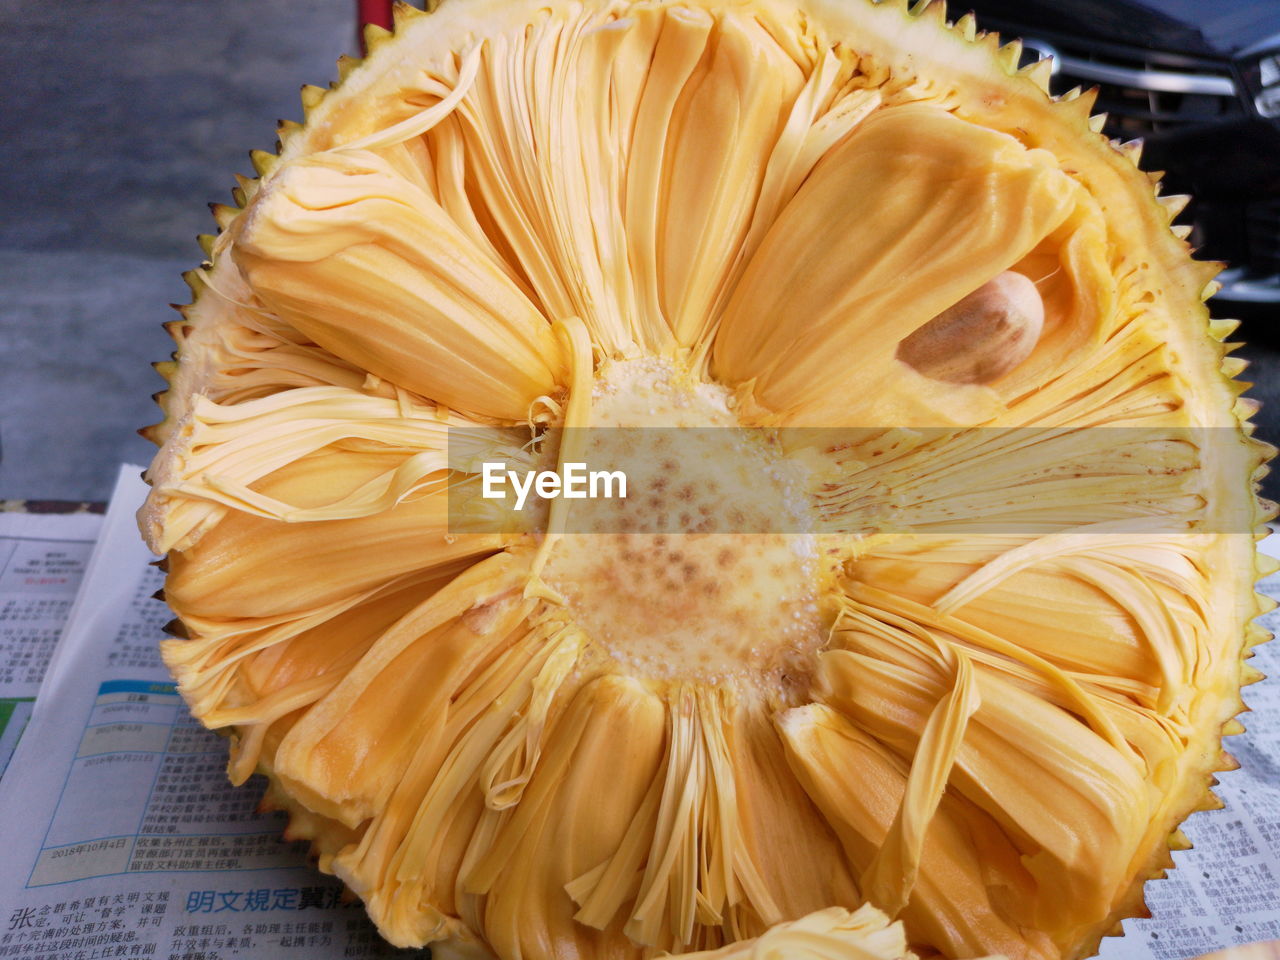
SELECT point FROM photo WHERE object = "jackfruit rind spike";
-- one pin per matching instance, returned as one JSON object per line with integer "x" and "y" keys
{"x": 223, "y": 215}
{"x": 1206, "y": 270}
{"x": 375, "y": 35}
{"x": 1011, "y": 55}
{"x": 206, "y": 241}
{"x": 403, "y": 13}
{"x": 1179, "y": 841}
{"x": 1250, "y": 675}
{"x": 263, "y": 162}
{"x": 1232, "y": 367}
{"x": 1174, "y": 203}
{"x": 1132, "y": 150}
{"x": 1221, "y": 329}
{"x": 989, "y": 41}
{"x": 967, "y": 27}
{"x": 1210, "y": 801}
{"x": 196, "y": 281}
{"x": 1266, "y": 565}
{"x": 346, "y": 66}
{"x": 1267, "y": 511}
{"x": 1097, "y": 122}
{"x": 1233, "y": 728}
{"x": 934, "y": 10}
{"x": 1237, "y": 387}
{"x": 311, "y": 98}
{"x": 1081, "y": 104}
{"x": 1039, "y": 72}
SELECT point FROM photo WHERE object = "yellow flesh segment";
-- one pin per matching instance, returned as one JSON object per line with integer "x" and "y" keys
{"x": 960, "y": 205}
{"x": 1099, "y": 797}
{"x": 831, "y": 934}
{"x": 341, "y": 241}
{"x": 242, "y": 567}
{"x": 961, "y": 900}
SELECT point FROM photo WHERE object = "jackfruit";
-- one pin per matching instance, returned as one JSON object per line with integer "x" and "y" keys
{"x": 904, "y": 635}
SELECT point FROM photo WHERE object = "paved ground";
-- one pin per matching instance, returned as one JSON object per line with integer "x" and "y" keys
{"x": 121, "y": 120}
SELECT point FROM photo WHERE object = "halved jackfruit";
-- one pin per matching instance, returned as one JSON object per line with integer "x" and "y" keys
{"x": 977, "y": 670}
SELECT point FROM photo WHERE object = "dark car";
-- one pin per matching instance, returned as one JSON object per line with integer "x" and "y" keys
{"x": 1199, "y": 82}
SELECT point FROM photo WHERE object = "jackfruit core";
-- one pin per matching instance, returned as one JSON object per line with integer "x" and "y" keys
{"x": 708, "y": 569}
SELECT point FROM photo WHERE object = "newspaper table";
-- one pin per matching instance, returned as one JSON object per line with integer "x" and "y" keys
{"x": 122, "y": 837}
{"x": 42, "y": 561}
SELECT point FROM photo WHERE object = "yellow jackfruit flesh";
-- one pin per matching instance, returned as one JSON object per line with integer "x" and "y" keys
{"x": 765, "y": 214}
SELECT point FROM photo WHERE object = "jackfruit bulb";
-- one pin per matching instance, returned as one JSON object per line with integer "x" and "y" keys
{"x": 927, "y": 644}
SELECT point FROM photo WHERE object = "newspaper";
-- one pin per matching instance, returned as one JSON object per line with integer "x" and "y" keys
{"x": 122, "y": 837}
{"x": 42, "y": 561}
{"x": 120, "y": 834}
